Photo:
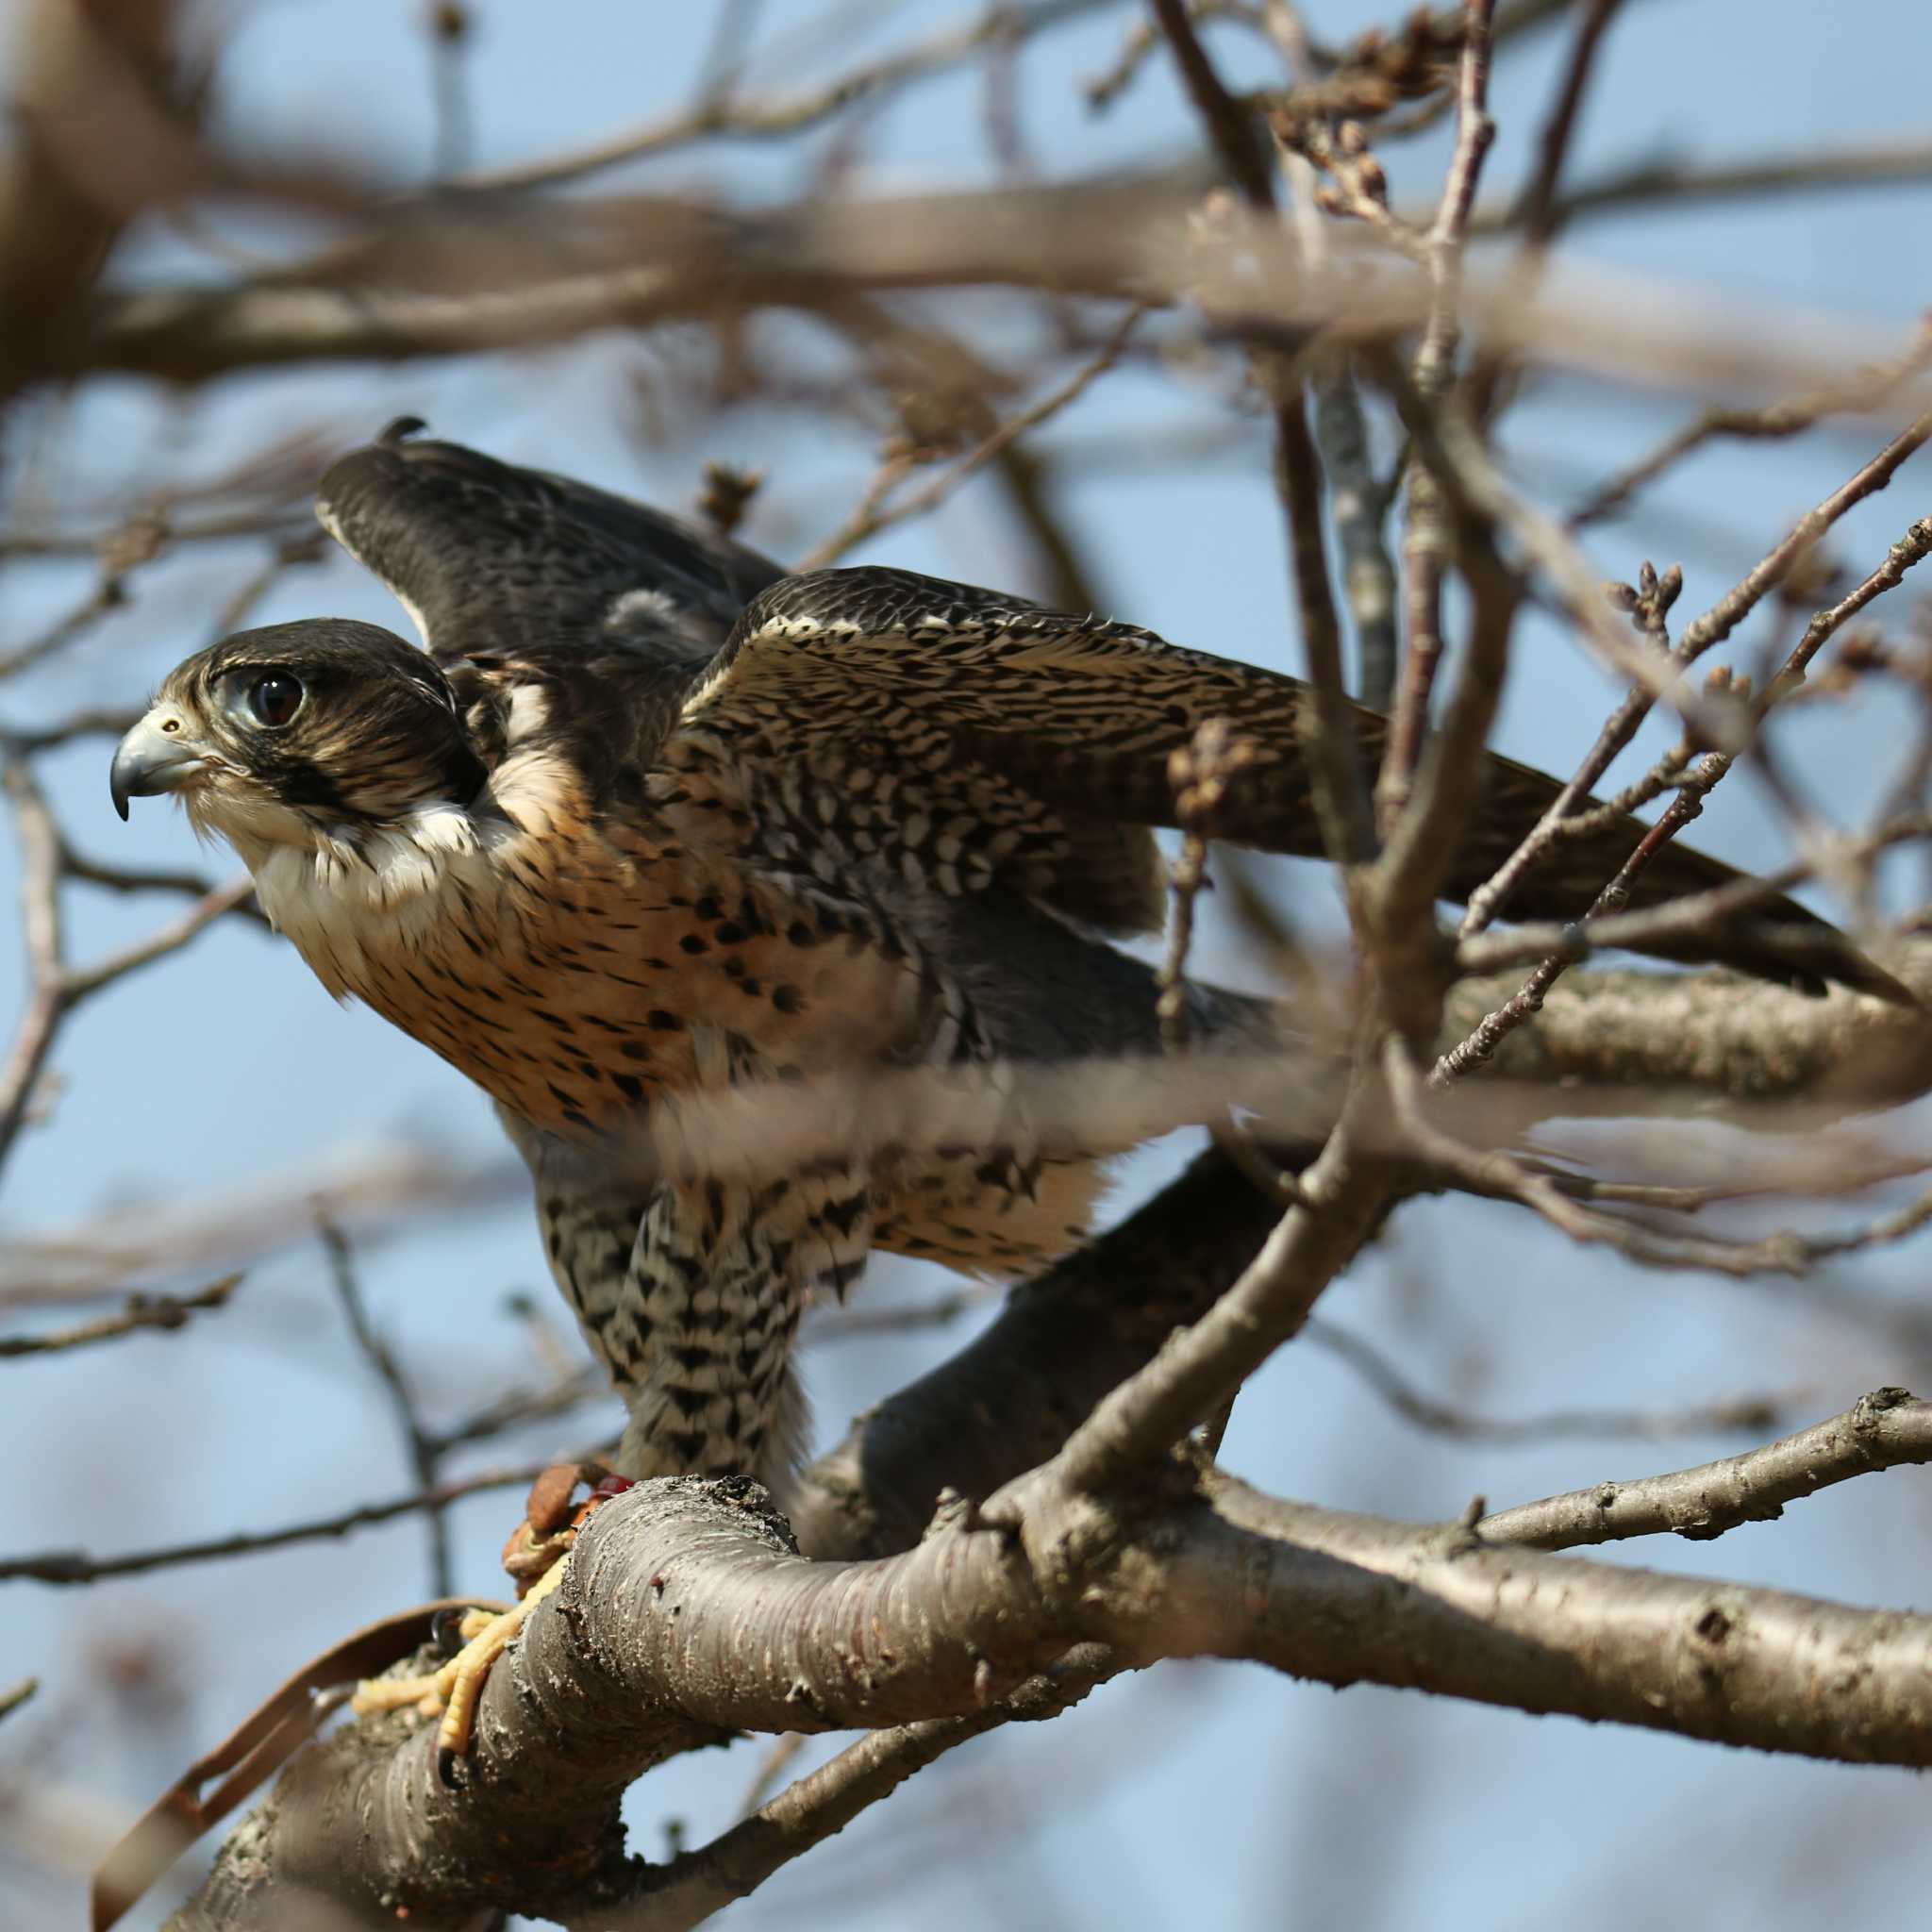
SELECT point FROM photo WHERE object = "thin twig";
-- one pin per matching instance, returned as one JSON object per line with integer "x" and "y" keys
{"x": 418, "y": 1444}
{"x": 29, "y": 739}
{"x": 1713, "y": 628}
{"x": 875, "y": 513}
{"x": 193, "y": 885}
{"x": 83, "y": 981}
{"x": 1359, "y": 501}
{"x": 1200, "y": 776}
{"x": 1872, "y": 164}
{"x": 721, "y": 113}
{"x": 305, "y": 547}
{"x": 1426, "y": 541}
{"x": 110, "y": 593}
{"x": 1495, "y": 1173}
{"x": 692, "y": 1887}
{"x": 1138, "y": 43}
{"x": 1536, "y": 211}
{"x": 277, "y": 524}
{"x": 1441, "y": 1418}
{"x": 1480, "y": 1047}
{"x": 1693, "y": 914}
{"x": 77, "y": 1566}
{"x": 1344, "y": 1191}
{"x": 1863, "y": 392}
{"x": 374, "y": 1186}
{"x": 56, "y": 987}
{"x": 1327, "y": 728}
{"x": 1910, "y": 549}
{"x": 166, "y": 1311}
{"x": 570, "y": 1391}
{"x": 778, "y": 1754}
{"x": 1423, "y": 841}
{"x": 449, "y": 26}
{"x": 1883, "y": 1430}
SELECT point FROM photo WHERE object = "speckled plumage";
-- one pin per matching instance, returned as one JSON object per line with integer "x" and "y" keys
{"x": 653, "y": 822}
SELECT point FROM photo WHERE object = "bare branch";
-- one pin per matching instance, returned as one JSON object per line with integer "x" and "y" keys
{"x": 164, "y": 1311}
{"x": 693, "y": 1584}
{"x": 1864, "y": 392}
{"x": 874, "y": 512}
{"x": 1480, "y": 1047}
{"x": 1910, "y": 549}
{"x": 1441, "y": 1418}
{"x": 1340, "y": 799}
{"x": 365, "y": 1187}
{"x": 1713, "y": 628}
{"x": 1884, "y": 1430}
{"x": 1343, "y": 1197}
{"x": 723, "y": 112}
{"x": 1870, "y": 164}
{"x": 689, "y": 1889}
{"x": 108, "y": 594}
{"x": 77, "y": 1566}
{"x": 1536, "y": 211}
{"x": 1427, "y": 540}
{"x": 418, "y": 1444}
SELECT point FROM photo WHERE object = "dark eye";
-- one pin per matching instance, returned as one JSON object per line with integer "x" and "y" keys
{"x": 274, "y": 699}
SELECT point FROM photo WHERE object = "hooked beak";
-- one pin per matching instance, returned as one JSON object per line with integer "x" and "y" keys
{"x": 156, "y": 756}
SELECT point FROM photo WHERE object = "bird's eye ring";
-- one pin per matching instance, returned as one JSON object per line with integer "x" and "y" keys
{"x": 274, "y": 698}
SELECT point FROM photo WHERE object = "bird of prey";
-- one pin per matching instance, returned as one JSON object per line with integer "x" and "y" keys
{"x": 649, "y": 823}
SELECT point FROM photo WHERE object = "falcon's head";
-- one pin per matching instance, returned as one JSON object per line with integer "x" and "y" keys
{"x": 299, "y": 732}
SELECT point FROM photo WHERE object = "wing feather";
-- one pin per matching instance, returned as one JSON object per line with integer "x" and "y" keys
{"x": 524, "y": 565}
{"x": 1082, "y": 715}
{"x": 944, "y": 735}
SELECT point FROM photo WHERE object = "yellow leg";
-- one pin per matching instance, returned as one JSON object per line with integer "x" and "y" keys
{"x": 470, "y": 1667}
{"x": 453, "y": 1690}
{"x": 429, "y": 1693}
{"x": 535, "y": 1555}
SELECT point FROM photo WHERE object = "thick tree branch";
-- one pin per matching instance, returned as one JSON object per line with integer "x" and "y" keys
{"x": 1658, "y": 1041}
{"x": 685, "y": 1614}
{"x": 1344, "y": 1599}
{"x": 691, "y": 1887}
{"x": 1011, "y": 1398}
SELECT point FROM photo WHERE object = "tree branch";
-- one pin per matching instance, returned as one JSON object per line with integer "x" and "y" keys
{"x": 685, "y": 1614}
{"x": 164, "y": 1311}
{"x": 1886, "y": 1429}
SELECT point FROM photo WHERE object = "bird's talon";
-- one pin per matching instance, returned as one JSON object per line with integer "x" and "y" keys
{"x": 446, "y": 1633}
{"x": 535, "y": 1556}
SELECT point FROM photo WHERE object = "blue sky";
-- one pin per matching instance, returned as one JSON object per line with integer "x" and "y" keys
{"x": 1193, "y": 1795}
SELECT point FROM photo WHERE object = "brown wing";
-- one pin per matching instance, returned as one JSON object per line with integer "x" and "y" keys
{"x": 964, "y": 690}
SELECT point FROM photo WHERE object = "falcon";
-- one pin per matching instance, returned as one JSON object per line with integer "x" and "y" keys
{"x": 658, "y": 843}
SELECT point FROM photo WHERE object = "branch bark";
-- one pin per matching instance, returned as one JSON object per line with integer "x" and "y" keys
{"x": 687, "y": 1614}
